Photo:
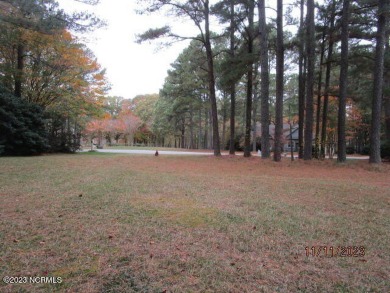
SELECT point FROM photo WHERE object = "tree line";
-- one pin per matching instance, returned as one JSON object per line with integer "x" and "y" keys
{"x": 243, "y": 77}
{"x": 330, "y": 74}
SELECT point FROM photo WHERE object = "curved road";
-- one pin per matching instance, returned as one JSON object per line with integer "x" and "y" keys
{"x": 185, "y": 153}
{"x": 149, "y": 152}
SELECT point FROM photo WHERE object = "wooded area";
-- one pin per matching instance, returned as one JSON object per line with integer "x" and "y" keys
{"x": 45, "y": 68}
{"x": 328, "y": 37}
{"x": 311, "y": 77}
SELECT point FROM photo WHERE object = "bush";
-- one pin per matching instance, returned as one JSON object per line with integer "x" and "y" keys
{"x": 365, "y": 151}
{"x": 385, "y": 150}
{"x": 350, "y": 150}
{"x": 22, "y": 127}
{"x": 238, "y": 143}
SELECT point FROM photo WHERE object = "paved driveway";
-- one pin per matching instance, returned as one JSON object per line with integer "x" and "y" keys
{"x": 151, "y": 152}
{"x": 192, "y": 153}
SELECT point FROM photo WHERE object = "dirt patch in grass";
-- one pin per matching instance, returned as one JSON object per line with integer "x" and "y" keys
{"x": 121, "y": 223}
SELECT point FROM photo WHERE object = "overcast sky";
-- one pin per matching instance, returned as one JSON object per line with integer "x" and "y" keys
{"x": 132, "y": 68}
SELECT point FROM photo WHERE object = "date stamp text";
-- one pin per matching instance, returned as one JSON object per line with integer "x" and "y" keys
{"x": 335, "y": 251}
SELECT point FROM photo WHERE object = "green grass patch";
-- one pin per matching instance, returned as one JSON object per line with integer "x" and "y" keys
{"x": 121, "y": 223}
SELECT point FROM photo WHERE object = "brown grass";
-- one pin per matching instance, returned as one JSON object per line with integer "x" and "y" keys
{"x": 192, "y": 224}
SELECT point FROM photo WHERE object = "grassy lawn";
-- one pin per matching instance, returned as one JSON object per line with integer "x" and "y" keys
{"x": 131, "y": 223}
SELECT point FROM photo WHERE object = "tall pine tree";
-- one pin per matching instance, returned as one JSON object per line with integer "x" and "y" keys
{"x": 383, "y": 12}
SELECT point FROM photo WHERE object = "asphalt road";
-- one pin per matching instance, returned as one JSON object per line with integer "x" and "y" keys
{"x": 150, "y": 152}
{"x": 185, "y": 153}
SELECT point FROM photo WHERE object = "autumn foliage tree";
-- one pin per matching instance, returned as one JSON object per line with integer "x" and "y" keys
{"x": 95, "y": 129}
{"x": 41, "y": 63}
{"x": 107, "y": 128}
{"x": 129, "y": 124}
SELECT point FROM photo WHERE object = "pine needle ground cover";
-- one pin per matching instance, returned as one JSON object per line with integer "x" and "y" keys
{"x": 128, "y": 223}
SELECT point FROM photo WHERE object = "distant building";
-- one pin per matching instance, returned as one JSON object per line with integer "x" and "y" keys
{"x": 287, "y": 143}
{"x": 292, "y": 138}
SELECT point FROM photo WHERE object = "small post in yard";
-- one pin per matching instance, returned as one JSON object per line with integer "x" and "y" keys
{"x": 291, "y": 140}
{"x": 291, "y": 143}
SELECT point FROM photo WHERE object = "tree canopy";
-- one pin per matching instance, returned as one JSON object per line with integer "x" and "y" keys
{"x": 222, "y": 89}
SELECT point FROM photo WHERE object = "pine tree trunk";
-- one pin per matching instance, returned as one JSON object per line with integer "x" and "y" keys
{"x": 249, "y": 89}
{"x": 192, "y": 140}
{"x": 319, "y": 95}
{"x": 211, "y": 81}
{"x": 19, "y": 71}
{"x": 310, "y": 50}
{"x": 341, "y": 143}
{"x": 291, "y": 143}
{"x": 199, "y": 144}
{"x": 386, "y": 105}
{"x": 264, "y": 85}
{"x": 279, "y": 84}
{"x": 232, "y": 86}
{"x": 375, "y": 154}
{"x": 206, "y": 127}
{"x": 386, "y": 102}
{"x": 232, "y": 118}
{"x": 224, "y": 118}
{"x": 302, "y": 78}
{"x": 327, "y": 81}
{"x": 254, "y": 114}
{"x": 210, "y": 138}
{"x": 182, "y": 136}
{"x": 248, "y": 116}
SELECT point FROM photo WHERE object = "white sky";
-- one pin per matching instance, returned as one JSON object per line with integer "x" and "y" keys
{"x": 132, "y": 69}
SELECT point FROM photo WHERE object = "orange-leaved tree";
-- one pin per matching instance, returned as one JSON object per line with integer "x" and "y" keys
{"x": 129, "y": 124}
